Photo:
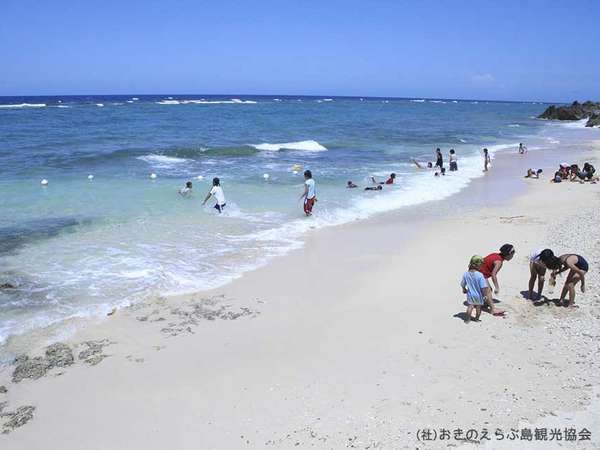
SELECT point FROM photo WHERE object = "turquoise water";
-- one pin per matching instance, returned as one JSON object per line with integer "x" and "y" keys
{"x": 78, "y": 247}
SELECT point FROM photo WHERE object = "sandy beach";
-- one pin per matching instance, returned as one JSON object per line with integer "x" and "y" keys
{"x": 353, "y": 341}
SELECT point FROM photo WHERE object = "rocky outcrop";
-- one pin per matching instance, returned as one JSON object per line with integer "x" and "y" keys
{"x": 576, "y": 111}
{"x": 594, "y": 120}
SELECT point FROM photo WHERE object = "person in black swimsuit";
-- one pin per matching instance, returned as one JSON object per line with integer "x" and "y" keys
{"x": 578, "y": 267}
{"x": 439, "y": 162}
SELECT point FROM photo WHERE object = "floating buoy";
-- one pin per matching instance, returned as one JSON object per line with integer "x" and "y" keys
{"x": 200, "y": 177}
{"x": 266, "y": 176}
{"x": 90, "y": 177}
{"x": 44, "y": 182}
{"x": 153, "y": 176}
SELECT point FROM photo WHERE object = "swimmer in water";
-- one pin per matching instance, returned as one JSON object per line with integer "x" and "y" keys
{"x": 351, "y": 185}
{"x": 390, "y": 180}
{"x": 187, "y": 190}
{"x": 421, "y": 166}
{"x": 374, "y": 188}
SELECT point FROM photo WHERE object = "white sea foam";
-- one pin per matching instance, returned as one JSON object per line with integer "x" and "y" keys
{"x": 437, "y": 101}
{"x": 514, "y": 125}
{"x": 421, "y": 100}
{"x": 307, "y": 146}
{"x": 100, "y": 104}
{"x": 162, "y": 161}
{"x": 574, "y": 124}
{"x": 24, "y": 105}
{"x": 233, "y": 101}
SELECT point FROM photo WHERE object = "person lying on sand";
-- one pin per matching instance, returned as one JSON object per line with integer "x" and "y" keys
{"x": 578, "y": 267}
{"x": 477, "y": 289}
{"x": 374, "y": 188}
{"x": 492, "y": 264}
{"x": 419, "y": 165}
{"x": 390, "y": 180}
{"x": 539, "y": 261}
{"x": 533, "y": 173}
{"x": 351, "y": 185}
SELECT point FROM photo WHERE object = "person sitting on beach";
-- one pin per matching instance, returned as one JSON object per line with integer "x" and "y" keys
{"x": 564, "y": 170}
{"x": 453, "y": 161}
{"x": 217, "y": 191}
{"x": 578, "y": 267}
{"x": 351, "y": 185}
{"x": 492, "y": 264}
{"x": 187, "y": 190}
{"x": 439, "y": 159}
{"x": 539, "y": 261}
{"x": 557, "y": 178}
{"x": 390, "y": 180}
{"x": 477, "y": 289}
{"x": 420, "y": 166}
{"x": 573, "y": 171}
{"x": 587, "y": 174}
{"x": 310, "y": 194}
{"x": 522, "y": 149}
{"x": 533, "y": 173}
{"x": 374, "y": 188}
{"x": 486, "y": 160}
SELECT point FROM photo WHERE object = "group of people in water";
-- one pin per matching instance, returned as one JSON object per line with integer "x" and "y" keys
{"x": 309, "y": 196}
{"x": 482, "y": 276}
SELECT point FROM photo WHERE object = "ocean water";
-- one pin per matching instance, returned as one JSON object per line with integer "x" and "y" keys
{"x": 78, "y": 247}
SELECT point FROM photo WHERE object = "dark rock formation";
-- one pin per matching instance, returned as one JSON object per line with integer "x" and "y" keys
{"x": 575, "y": 111}
{"x": 594, "y": 120}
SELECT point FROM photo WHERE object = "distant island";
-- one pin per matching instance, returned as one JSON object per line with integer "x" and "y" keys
{"x": 576, "y": 111}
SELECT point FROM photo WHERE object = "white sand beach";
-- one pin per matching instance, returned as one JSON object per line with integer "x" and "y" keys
{"x": 353, "y": 341}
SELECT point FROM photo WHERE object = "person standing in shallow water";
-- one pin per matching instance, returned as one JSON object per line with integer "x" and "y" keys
{"x": 217, "y": 191}
{"x": 453, "y": 161}
{"x": 439, "y": 159}
{"x": 492, "y": 264}
{"x": 486, "y": 159}
{"x": 310, "y": 194}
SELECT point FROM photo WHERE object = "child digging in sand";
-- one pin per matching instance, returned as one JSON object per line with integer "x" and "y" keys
{"x": 476, "y": 287}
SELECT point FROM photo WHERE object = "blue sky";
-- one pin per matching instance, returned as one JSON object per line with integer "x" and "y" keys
{"x": 506, "y": 50}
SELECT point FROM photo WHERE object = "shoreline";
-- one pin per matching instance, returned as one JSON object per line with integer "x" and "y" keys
{"x": 64, "y": 328}
{"x": 326, "y": 341}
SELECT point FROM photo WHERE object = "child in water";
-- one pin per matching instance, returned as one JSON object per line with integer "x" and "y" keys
{"x": 187, "y": 190}
{"x": 476, "y": 287}
{"x": 217, "y": 191}
{"x": 310, "y": 194}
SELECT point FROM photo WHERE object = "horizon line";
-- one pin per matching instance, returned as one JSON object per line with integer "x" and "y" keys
{"x": 294, "y": 95}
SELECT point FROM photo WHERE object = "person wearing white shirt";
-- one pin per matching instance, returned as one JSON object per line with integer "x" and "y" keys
{"x": 310, "y": 194}
{"x": 217, "y": 192}
{"x": 187, "y": 190}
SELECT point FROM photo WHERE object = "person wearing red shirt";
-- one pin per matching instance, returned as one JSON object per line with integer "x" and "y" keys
{"x": 492, "y": 264}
